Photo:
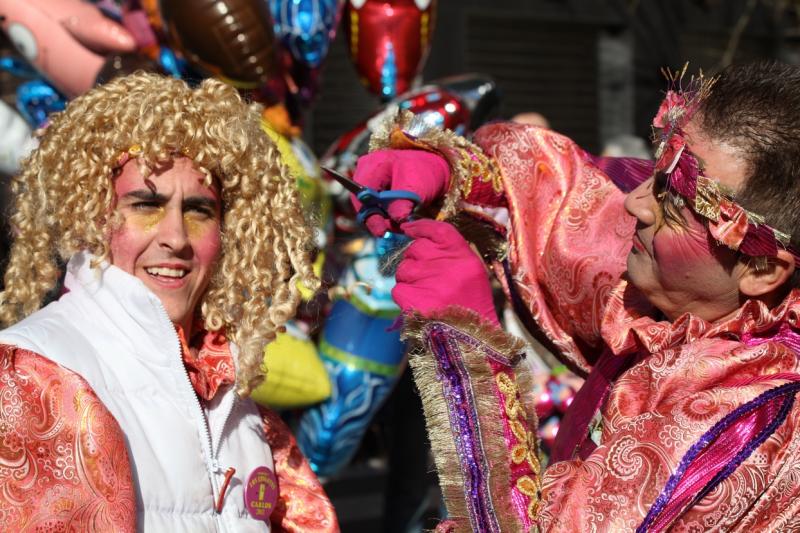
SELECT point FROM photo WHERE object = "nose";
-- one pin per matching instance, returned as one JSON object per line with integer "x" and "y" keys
{"x": 172, "y": 232}
{"x": 641, "y": 203}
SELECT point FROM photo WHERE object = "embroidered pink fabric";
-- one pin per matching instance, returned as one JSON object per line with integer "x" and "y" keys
{"x": 568, "y": 242}
{"x": 63, "y": 461}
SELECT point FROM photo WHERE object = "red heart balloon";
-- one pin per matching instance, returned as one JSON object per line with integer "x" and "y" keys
{"x": 389, "y": 40}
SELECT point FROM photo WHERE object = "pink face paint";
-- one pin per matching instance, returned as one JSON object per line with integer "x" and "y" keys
{"x": 170, "y": 238}
{"x": 679, "y": 248}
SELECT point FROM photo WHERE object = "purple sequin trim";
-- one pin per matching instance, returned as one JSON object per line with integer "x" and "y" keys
{"x": 465, "y": 427}
{"x": 788, "y": 389}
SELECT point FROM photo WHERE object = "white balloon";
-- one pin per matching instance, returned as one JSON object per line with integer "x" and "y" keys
{"x": 15, "y": 139}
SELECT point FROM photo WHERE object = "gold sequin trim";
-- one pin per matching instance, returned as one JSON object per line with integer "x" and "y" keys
{"x": 525, "y": 449}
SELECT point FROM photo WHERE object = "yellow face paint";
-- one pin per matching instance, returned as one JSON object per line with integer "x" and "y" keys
{"x": 147, "y": 221}
{"x": 196, "y": 226}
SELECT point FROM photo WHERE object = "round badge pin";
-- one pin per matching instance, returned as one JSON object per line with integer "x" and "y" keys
{"x": 261, "y": 493}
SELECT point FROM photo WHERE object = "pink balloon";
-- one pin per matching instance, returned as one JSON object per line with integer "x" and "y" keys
{"x": 389, "y": 40}
{"x": 548, "y": 431}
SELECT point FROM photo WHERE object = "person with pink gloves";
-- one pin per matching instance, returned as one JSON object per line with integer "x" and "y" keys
{"x": 671, "y": 286}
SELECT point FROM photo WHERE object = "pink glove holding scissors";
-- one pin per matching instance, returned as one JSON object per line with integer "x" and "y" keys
{"x": 423, "y": 173}
{"x": 439, "y": 270}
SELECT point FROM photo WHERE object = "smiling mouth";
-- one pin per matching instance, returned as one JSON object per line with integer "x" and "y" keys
{"x": 167, "y": 273}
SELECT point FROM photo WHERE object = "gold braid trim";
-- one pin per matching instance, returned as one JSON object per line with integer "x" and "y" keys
{"x": 468, "y": 163}
{"x": 504, "y": 391}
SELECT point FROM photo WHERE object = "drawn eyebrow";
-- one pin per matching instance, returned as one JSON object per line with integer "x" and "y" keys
{"x": 201, "y": 201}
{"x": 146, "y": 194}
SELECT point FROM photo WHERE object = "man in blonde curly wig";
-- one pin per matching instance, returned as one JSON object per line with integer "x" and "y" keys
{"x": 124, "y": 403}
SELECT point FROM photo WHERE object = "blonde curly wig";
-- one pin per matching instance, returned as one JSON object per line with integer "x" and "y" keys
{"x": 65, "y": 197}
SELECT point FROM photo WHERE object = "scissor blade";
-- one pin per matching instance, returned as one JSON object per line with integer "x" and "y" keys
{"x": 346, "y": 182}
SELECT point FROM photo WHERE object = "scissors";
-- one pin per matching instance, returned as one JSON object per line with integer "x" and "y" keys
{"x": 372, "y": 201}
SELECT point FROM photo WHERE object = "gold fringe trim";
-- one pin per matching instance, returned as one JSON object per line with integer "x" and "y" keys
{"x": 467, "y": 161}
{"x": 490, "y": 244}
{"x": 482, "y": 339}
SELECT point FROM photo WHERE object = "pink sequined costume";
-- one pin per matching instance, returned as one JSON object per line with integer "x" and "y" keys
{"x": 683, "y": 424}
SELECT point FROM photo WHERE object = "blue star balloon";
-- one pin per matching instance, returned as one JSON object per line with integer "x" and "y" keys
{"x": 306, "y": 28}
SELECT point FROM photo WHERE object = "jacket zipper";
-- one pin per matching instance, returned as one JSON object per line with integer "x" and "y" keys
{"x": 211, "y": 463}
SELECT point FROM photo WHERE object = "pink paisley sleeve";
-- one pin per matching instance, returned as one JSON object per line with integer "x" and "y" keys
{"x": 569, "y": 234}
{"x": 63, "y": 461}
{"x": 302, "y": 504}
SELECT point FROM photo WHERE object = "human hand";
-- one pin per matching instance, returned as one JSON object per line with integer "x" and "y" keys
{"x": 424, "y": 173}
{"x": 61, "y": 39}
{"x": 439, "y": 270}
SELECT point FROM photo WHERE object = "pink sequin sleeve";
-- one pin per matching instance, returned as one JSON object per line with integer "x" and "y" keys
{"x": 302, "y": 504}
{"x": 63, "y": 461}
{"x": 569, "y": 234}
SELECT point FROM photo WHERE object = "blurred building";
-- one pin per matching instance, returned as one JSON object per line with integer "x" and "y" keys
{"x": 592, "y": 67}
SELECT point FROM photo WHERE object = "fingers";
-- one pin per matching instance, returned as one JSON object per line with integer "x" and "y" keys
{"x": 399, "y": 210}
{"x": 423, "y": 173}
{"x": 441, "y": 233}
{"x": 375, "y": 170}
{"x": 377, "y": 225}
{"x": 96, "y": 32}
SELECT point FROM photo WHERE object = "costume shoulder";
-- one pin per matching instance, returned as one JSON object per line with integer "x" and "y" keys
{"x": 63, "y": 461}
{"x": 569, "y": 235}
{"x": 302, "y": 503}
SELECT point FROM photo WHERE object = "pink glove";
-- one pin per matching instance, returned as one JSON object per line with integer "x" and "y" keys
{"x": 418, "y": 171}
{"x": 438, "y": 270}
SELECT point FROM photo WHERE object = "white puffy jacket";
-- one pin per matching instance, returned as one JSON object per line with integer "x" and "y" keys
{"x": 113, "y": 331}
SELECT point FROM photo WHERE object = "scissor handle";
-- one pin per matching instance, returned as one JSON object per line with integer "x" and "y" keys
{"x": 367, "y": 211}
{"x": 390, "y": 196}
{"x": 384, "y": 198}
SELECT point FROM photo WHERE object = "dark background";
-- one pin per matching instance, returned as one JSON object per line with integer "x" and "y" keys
{"x": 591, "y": 66}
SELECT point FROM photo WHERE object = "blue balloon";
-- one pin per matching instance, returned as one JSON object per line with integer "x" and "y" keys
{"x": 306, "y": 28}
{"x": 363, "y": 355}
{"x": 37, "y": 99}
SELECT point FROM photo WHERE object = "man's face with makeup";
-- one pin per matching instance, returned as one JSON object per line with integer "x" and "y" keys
{"x": 170, "y": 237}
{"x": 682, "y": 269}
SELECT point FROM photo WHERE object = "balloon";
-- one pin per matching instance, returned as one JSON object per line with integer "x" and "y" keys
{"x": 460, "y": 103}
{"x": 296, "y": 376}
{"x": 548, "y": 429}
{"x": 230, "y": 39}
{"x": 364, "y": 359}
{"x": 36, "y": 100}
{"x": 543, "y": 401}
{"x": 389, "y": 41}
{"x": 15, "y": 139}
{"x": 306, "y": 28}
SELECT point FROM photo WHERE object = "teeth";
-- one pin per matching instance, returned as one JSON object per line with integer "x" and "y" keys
{"x": 166, "y": 272}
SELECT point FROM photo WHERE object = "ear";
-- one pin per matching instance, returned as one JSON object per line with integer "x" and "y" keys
{"x": 755, "y": 283}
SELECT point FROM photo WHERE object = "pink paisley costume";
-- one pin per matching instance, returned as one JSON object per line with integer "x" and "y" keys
{"x": 86, "y": 446}
{"x": 687, "y": 425}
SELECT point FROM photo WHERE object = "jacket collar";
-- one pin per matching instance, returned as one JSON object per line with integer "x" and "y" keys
{"x": 129, "y": 306}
